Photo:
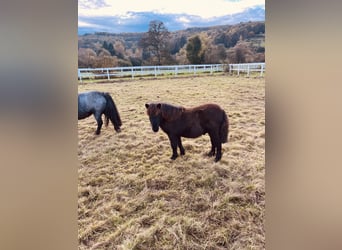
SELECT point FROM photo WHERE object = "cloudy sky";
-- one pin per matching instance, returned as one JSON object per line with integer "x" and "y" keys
{"x": 116, "y": 16}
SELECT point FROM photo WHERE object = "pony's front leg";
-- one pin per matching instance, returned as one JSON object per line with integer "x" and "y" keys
{"x": 174, "y": 143}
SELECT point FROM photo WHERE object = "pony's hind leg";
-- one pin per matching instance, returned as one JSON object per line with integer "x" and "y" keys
{"x": 212, "y": 151}
{"x": 219, "y": 152}
{"x": 215, "y": 144}
{"x": 99, "y": 121}
{"x": 181, "y": 148}
{"x": 106, "y": 121}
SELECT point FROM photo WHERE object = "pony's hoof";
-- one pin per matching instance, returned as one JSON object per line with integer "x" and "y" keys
{"x": 217, "y": 159}
{"x": 174, "y": 157}
{"x": 211, "y": 154}
{"x": 118, "y": 130}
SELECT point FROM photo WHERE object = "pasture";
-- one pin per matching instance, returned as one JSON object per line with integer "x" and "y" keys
{"x": 131, "y": 195}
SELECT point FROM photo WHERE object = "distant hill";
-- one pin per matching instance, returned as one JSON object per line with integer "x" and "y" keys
{"x": 243, "y": 42}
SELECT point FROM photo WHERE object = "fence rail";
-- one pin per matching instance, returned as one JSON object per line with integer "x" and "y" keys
{"x": 110, "y": 73}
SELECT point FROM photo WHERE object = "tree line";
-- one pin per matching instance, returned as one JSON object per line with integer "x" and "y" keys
{"x": 158, "y": 46}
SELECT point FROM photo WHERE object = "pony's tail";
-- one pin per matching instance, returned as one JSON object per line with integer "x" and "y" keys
{"x": 224, "y": 128}
{"x": 111, "y": 113}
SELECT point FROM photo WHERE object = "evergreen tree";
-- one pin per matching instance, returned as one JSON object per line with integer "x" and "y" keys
{"x": 105, "y": 45}
{"x": 194, "y": 51}
{"x": 111, "y": 49}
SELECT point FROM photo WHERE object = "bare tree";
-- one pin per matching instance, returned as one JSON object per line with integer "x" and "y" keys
{"x": 215, "y": 54}
{"x": 155, "y": 41}
{"x": 241, "y": 53}
{"x": 86, "y": 57}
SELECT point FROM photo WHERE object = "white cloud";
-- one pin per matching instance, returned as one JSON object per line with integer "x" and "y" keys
{"x": 183, "y": 19}
{"x": 205, "y": 9}
{"x": 88, "y": 25}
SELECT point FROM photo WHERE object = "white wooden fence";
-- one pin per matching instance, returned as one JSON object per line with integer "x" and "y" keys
{"x": 247, "y": 68}
{"x": 109, "y": 73}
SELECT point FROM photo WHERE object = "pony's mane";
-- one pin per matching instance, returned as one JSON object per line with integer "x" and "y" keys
{"x": 171, "y": 112}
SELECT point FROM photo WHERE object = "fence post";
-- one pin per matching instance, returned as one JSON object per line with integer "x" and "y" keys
{"x": 132, "y": 73}
{"x": 108, "y": 74}
{"x": 262, "y": 69}
{"x": 247, "y": 69}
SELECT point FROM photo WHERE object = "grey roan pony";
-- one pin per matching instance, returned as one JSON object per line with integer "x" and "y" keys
{"x": 98, "y": 103}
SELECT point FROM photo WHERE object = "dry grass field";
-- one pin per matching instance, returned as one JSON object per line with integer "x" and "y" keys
{"x": 132, "y": 196}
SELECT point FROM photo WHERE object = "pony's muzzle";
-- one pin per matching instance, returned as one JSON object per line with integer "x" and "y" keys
{"x": 155, "y": 129}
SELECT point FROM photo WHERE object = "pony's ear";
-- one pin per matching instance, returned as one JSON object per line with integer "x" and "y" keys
{"x": 159, "y": 105}
{"x": 147, "y": 105}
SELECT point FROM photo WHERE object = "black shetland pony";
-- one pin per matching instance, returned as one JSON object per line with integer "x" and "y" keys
{"x": 179, "y": 122}
{"x": 98, "y": 103}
